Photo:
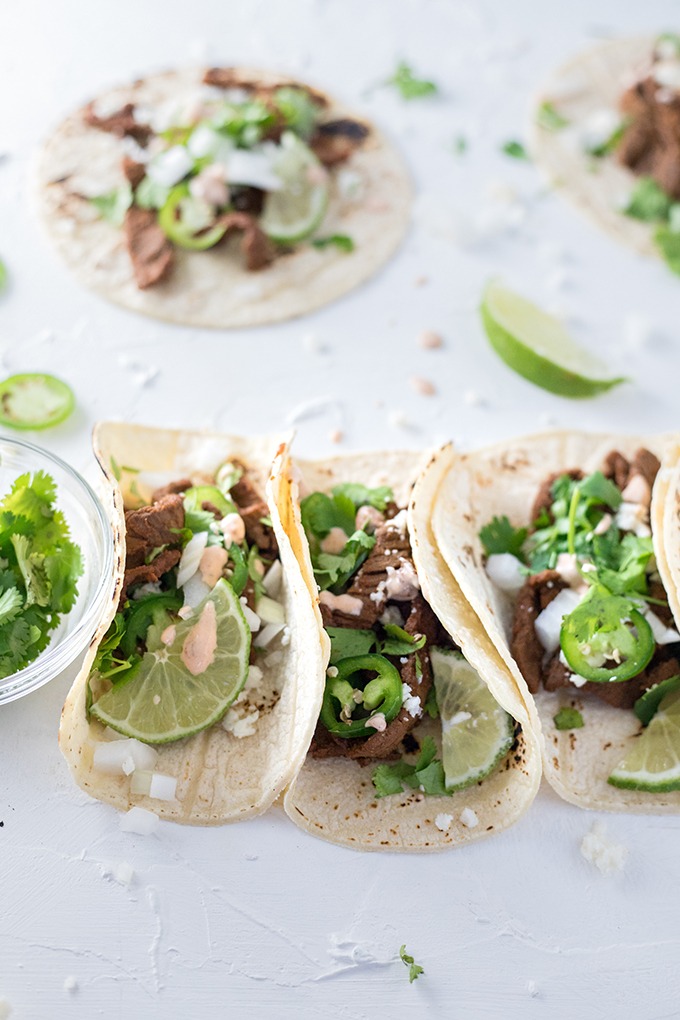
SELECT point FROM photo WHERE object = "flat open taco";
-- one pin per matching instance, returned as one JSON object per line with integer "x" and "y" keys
{"x": 566, "y": 546}
{"x": 199, "y": 694}
{"x": 225, "y": 197}
{"x": 607, "y": 132}
{"x": 414, "y": 749}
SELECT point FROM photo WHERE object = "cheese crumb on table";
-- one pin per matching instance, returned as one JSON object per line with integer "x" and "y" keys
{"x": 70, "y": 983}
{"x": 607, "y": 856}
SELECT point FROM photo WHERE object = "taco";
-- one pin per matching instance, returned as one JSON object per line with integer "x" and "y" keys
{"x": 566, "y": 547}
{"x": 197, "y": 697}
{"x": 224, "y": 197}
{"x": 414, "y": 749}
{"x": 607, "y": 132}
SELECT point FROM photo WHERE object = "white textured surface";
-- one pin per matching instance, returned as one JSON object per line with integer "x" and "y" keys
{"x": 259, "y": 920}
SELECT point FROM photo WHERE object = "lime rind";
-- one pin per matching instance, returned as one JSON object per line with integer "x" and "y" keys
{"x": 653, "y": 763}
{"x": 537, "y": 346}
{"x": 293, "y": 213}
{"x": 164, "y": 702}
{"x": 35, "y": 401}
{"x": 476, "y": 732}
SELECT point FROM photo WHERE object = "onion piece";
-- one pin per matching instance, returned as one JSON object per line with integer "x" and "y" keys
{"x": 191, "y": 557}
{"x": 270, "y": 611}
{"x": 549, "y": 623}
{"x": 506, "y": 572}
{"x": 112, "y": 757}
{"x": 140, "y": 821}
{"x": 272, "y": 580}
{"x": 267, "y": 634}
{"x": 155, "y": 785}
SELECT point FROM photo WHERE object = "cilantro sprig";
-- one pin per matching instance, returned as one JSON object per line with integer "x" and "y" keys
{"x": 425, "y": 774}
{"x": 414, "y": 969}
{"x": 40, "y": 569}
{"x": 408, "y": 85}
{"x": 568, "y": 719}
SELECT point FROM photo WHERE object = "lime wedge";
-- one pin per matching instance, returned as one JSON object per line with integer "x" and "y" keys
{"x": 476, "y": 732}
{"x": 163, "y": 701}
{"x": 537, "y": 346}
{"x": 293, "y": 213}
{"x": 653, "y": 763}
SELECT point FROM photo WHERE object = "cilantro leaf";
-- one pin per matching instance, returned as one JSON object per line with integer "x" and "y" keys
{"x": 611, "y": 143}
{"x": 32, "y": 567}
{"x": 601, "y": 489}
{"x": 515, "y": 150}
{"x": 400, "y": 642}
{"x": 648, "y": 202}
{"x": 431, "y": 706}
{"x": 11, "y": 601}
{"x": 672, "y": 38}
{"x": 333, "y": 570}
{"x": 343, "y": 242}
{"x": 499, "y": 536}
{"x": 299, "y": 110}
{"x": 349, "y": 641}
{"x": 548, "y": 117}
{"x": 460, "y": 145}
{"x": 320, "y": 513}
{"x": 568, "y": 719}
{"x": 414, "y": 969}
{"x": 149, "y": 194}
{"x": 113, "y": 205}
{"x": 408, "y": 85}
{"x": 426, "y": 774}
{"x": 361, "y": 495}
{"x": 667, "y": 241}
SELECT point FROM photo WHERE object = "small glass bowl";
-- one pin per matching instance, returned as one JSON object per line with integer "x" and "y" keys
{"x": 90, "y": 529}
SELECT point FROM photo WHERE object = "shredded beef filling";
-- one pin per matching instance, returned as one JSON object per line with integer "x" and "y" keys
{"x": 121, "y": 123}
{"x": 253, "y": 510}
{"x": 650, "y": 145}
{"x": 541, "y": 669}
{"x": 152, "y": 538}
{"x": 258, "y": 250}
{"x": 150, "y": 251}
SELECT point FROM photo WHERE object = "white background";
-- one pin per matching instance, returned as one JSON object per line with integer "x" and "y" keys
{"x": 260, "y": 920}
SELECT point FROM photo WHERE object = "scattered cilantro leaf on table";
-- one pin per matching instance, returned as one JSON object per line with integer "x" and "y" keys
{"x": 515, "y": 150}
{"x": 408, "y": 85}
{"x": 414, "y": 969}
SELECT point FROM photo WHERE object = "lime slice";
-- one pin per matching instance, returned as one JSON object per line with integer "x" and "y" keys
{"x": 34, "y": 401}
{"x": 653, "y": 763}
{"x": 293, "y": 213}
{"x": 537, "y": 346}
{"x": 163, "y": 701}
{"x": 476, "y": 732}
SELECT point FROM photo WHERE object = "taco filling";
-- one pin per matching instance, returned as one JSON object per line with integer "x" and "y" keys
{"x": 239, "y": 157}
{"x": 392, "y": 664}
{"x": 591, "y": 614}
{"x": 198, "y": 624}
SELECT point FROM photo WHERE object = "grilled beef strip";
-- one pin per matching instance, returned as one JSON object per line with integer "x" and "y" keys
{"x": 151, "y": 253}
{"x": 121, "y": 123}
{"x": 650, "y": 144}
{"x": 252, "y": 509}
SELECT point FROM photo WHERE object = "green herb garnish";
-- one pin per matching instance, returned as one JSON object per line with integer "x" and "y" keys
{"x": 667, "y": 240}
{"x": 499, "y": 536}
{"x": 648, "y": 202}
{"x": 414, "y": 969}
{"x": 3, "y": 275}
{"x": 515, "y": 150}
{"x": 426, "y": 774}
{"x": 340, "y": 241}
{"x": 39, "y": 573}
{"x": 568, "y": 719}
{"x": 408, "y": 85}
{"x": 460, "y": 145}
{"x": 547, "y": 117}
{"x": 299, "y": 110}
{"x": 361, "y": 495}
{"x": 113, "y": 205}
{"x": 611, "y": 143}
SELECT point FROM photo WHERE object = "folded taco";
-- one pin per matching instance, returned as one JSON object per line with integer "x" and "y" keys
{"x": 566, "y": 546}
{"x": 415, "y": 748}
{"x": 198, "y": 696}
{"x": 222, "y": 197}
{"x": 607, "y": 132}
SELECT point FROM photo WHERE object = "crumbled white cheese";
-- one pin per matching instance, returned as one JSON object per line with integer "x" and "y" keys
{"x": 473, "y": 399}
{"x": 411, "y": 702}
{"x": 241, "y": 725}
{"x": 399, "y": 523}
{"x": 596, "y": 848}
{"x": 443, "y": 821}
{"x": 70, "y": 984}
{"x": 312, "y": 343}
{"x": 123, "y": 873}
{"x": 633, "y": 517}
{"x": 667, "y": 72}
{"x": 402, "y": 582}
{"x": 469, "y": 818}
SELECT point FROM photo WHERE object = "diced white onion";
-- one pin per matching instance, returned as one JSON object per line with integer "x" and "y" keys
{"x": 169, "y": 167}
{"x": 191, "y": 557}
{"x": 663, "y": 635}
{"x": 253, "y": 168}
{"x": 272, "y": 580}
{"x": 203, "y": 141}
{"x": 111, "y": 757}
{"x": 154, "y": 784}
{"x": 505, "y": 570}
{"x": 195, "y": 590}
{"x": 267, "y": 634}
{"x": 270, "y": 611}
{"x": 252, "y": 619}
{"x": 139, "y": 820}
{"x": 549, "y": 623}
